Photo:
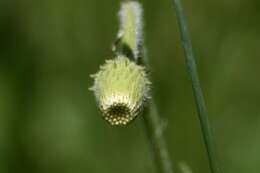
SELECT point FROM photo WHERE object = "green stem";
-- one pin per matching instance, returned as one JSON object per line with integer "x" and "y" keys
{"x": 129, "y": 40}
{"x": 155, "y": 134}
{"x": 197, "y": 91}
{"x": 130, "y": 44}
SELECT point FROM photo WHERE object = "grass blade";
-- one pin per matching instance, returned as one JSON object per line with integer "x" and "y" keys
{"x": 197, "y": 91}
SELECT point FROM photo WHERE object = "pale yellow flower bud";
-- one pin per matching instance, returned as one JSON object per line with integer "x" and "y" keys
{"x": 121, "y": 87}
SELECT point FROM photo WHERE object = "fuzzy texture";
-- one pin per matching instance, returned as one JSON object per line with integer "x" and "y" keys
{"x": 120, "y": 87}
{"x": 130, "y": 17}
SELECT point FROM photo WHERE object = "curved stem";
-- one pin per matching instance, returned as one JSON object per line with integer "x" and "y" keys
{"x": 130, "y": 37}
{"x": 130, "y": 43}
{"x": 197, "y": 91}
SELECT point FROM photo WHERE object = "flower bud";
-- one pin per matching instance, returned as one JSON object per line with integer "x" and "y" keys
{"x": 121, "y": 88}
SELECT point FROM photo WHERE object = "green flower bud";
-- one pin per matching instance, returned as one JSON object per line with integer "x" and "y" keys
{"x": 120, "y": 87}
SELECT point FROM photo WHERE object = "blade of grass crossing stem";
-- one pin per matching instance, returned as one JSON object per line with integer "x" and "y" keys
{"x": 197, "y": 91}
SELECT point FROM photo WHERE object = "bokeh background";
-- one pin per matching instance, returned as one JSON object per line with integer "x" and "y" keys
{"x": 49, "y": 121}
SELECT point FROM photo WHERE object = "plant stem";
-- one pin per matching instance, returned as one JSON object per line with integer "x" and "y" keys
{"x": 155, "y": 134}
{"x": 197, "y": 91}
{"x": 130, "y": 36}
{"x": 130, "y": 44}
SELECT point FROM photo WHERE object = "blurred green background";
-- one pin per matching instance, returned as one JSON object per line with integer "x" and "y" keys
{"x": 49, "y": 121}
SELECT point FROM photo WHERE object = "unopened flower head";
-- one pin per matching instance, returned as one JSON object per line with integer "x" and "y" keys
{"x": 121, "y": 87}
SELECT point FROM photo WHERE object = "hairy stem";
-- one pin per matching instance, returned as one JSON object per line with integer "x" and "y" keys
{"x": 130, "y": 37}
{"x": 197, "y": 91}
{"x": 130, "y": 43}
{"x": 155, "y": 134}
